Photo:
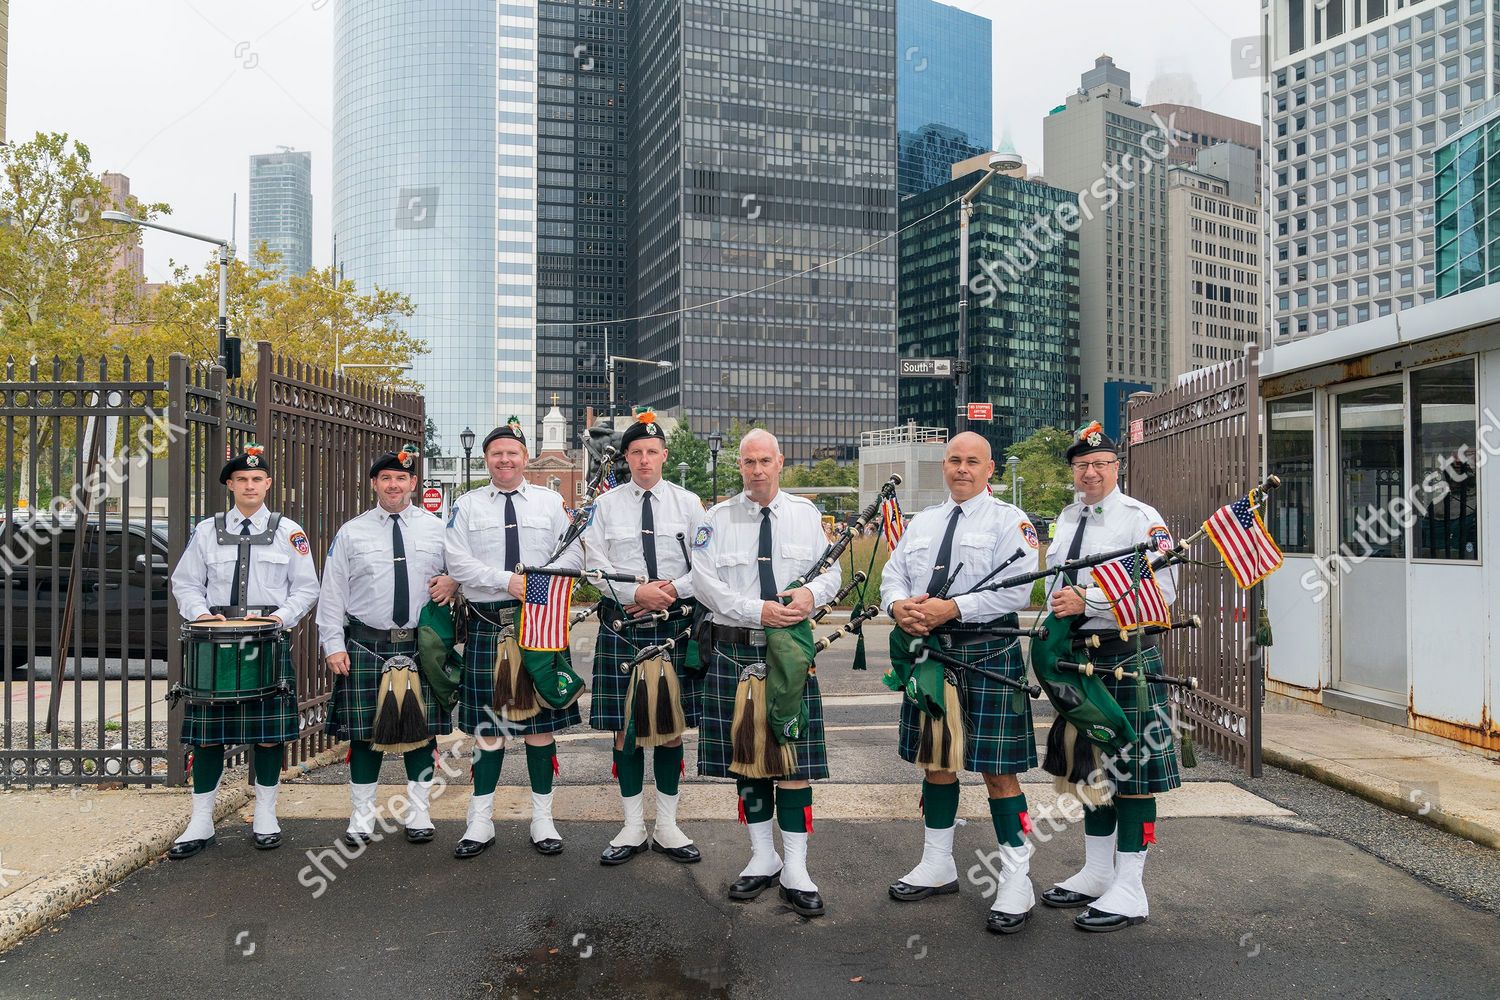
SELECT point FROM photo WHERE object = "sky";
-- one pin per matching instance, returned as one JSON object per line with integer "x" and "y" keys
{"x": 178, "y": 94}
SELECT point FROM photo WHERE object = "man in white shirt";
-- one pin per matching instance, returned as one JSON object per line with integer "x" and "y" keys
{"x": 382, "y": 568}
{"x": 949, "y": 549}
{"x": 643, "y": 528}
{"x": 746, "y": 555}
{"x": 246, "y": 562}
{"x": 490, "y": 531}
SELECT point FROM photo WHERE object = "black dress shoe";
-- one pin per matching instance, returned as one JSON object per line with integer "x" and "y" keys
{"x": 549, "y": 846}
{"x": 355, "y": 839}
{"x": 1005, "y": 923}
{"x": 750, "y": 886}
{"x": 1066, "y": 899}
{"x": 188, "y": 848}
{"x": 807, "y": 904}
{"x": 1100, "y": 922}
{"x": 420, "y": 835}
{"x": 266, "y": 841}
{"x": 472, "y": 848}
{"x": 615, "y": 855}
{"x": 904, "y": 892}
{"x": 686, "y": 855}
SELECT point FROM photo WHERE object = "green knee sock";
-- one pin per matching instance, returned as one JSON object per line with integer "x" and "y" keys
{"x": 419, "y": 762}
{"x": 208, "y": 767}
{"x": 794, "y": 810}
{"x": 268, "y": 765}
{"x": 1009, "y": 816}
{"x": 939, "y": 805}
{"x": 630, "y": 771}
{"x": 364, "y": 763}
{"x": 539, "y": 763}
{"x": 666, "y": 768}
{"x": 487, "y": 770}
{"x": 1137, "y": 824}
{"x": 1099, "y": 822}
{"x": 757, "y": 799}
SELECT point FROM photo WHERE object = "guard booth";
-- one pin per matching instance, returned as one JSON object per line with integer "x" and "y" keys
{"x": 913, "y": 452}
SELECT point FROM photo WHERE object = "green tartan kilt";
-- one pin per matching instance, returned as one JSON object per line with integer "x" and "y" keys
{"x": 272, "y": 719}
{"x": 715, "y": 737}
{"x": 998, "y": 733}
{"x": 1158, "y": 771}
{"x": 476, "y": 715}
{"x": 351, "y": 713}
{"x": 611, "y": 684}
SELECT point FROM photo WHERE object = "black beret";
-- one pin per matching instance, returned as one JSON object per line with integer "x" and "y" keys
{"x": 251, "y": 459}
{"x": 404, "y": 460}
{"x": 1089, "y": 439}
{"x": 511, "y": 429}
{"x": 645, "y": 426}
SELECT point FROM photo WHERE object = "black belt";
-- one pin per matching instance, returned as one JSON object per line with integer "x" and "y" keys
{"x": 241, "y": 611}
{"x": 360, "y": 632}
{"x": 500, "y": 614}
{"x": 731, "y": 634}
{"x": 1110, "y": 643}
{"x": 957, "y": 634}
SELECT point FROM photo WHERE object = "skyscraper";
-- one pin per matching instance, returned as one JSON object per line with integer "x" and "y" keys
{"x": 1359, "y": 93}
{"x": 1023, "y": 333}
{"x": 435, "y": 190}
{"x": 765, "y": 145}
{"x": 129, "y": 264}
{"x": 4, "y": 59}
{"x": 281, "y": 207}
{"x": 943, "y": 91}
{"x": 1105, "y": 145}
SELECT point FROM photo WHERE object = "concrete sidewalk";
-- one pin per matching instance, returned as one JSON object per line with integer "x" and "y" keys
{"x": 1450, "y": 788}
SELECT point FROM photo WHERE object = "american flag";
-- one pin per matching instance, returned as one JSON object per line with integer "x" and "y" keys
{"x": 890, "y": 521}
{"x": 1242, "y": 539}
{"x": 1135, "y": 602}
{"x": 544, "y": 615}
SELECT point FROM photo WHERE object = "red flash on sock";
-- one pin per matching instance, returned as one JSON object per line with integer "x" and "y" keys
{"x": 742, "y": 812}
{"x": 682, "y": 767}
{"x": 1148, "y": 833}
{"x": 614, "y": 770}
{"x": 807, "y": 818}
{"x": 1026, "y": 822}
{"x": 556, "y": 766}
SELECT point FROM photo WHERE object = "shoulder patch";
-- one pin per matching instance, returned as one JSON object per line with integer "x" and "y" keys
{"x": 299, "y": 542}
{"x": 701, "y": 536}
{"x": 1029, "y": 533}
{"x": 1161, "y": 536}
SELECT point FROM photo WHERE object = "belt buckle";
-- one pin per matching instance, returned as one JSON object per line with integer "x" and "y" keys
{"x": 758, "y": 638}
{"x": 401, "y": 634}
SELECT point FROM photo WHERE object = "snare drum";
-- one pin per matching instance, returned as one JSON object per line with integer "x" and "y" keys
{"x": 230, "y": 661}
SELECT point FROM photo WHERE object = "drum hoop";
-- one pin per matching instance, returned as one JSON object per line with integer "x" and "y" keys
{"x": 214, "y": 630}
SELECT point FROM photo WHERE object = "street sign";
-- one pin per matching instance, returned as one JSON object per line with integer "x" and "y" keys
{"x": 926, "y": 368}
{"x": 432, "y": 500}
{"x": 1137, "y": 431}
{"x": 981, "y": 411}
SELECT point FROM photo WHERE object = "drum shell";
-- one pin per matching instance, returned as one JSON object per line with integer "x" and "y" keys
{"x": 228, "y": 663}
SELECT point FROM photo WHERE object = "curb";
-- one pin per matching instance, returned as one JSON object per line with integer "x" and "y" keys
{"x": 1465, "y": 829}
{"x": 49, "y": 898}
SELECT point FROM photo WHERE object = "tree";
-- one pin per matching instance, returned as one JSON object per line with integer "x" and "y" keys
{"x": 430, "y": 446}
{"x": 1046, "y": 480}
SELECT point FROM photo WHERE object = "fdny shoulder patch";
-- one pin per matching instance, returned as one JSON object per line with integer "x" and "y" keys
{"x": 1029, "y": 533}
{"x": 701, "y": 536}
{"x": 1161, "y": 536}
{"x": 299, "y": 542}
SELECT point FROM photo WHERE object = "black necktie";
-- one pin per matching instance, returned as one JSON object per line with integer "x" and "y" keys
{"x": 648, "y": 534}
{"x": 763, "y": 558}
{"x": 401, "y": 610}
{"x": 512, "y": 534}
{"x": 1076, "y": 546}
{"x": 241, "y": 584}
{"x": 945, "y": 555}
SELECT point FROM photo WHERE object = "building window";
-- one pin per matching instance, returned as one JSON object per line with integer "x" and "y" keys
{"x": 1289, "y": 454}
{"x": 1371, "y": 467}
{"x": 1443, "y": 474}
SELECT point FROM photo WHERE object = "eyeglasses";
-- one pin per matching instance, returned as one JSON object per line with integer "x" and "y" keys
{"x": 1099, "y": 466}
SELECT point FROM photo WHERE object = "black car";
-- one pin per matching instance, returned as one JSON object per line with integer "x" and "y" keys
{"x": 121, "y": 599}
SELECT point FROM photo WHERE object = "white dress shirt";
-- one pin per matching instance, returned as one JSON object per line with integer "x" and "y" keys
{"x": 282, "y": 575}
{"x": 359, "y": 575}
{"x": 726, "y": 577}
{"x": 614, "y": 543}
{"x": 475, "y": 540}
{"x": 989, "y": 531}
{"x": 1113, "y": 523}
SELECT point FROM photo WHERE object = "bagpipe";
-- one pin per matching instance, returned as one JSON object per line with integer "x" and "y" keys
{"x": 585, "y": 511}
{"x": 769, "y": 712}
{"x": 1090, "y": 718}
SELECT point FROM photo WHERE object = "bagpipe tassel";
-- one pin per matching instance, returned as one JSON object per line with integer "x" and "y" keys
{"x": 859, "y": 651}
{"x": 1189, "y": 750}
{"x": 1263, "y": 635}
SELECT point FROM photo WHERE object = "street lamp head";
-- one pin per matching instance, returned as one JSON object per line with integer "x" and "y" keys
{"x": 466, "y": 438}
{"x": 113, "y": 216}
{"x": 715, "y": 442}
{"x": 1006, "y": 159}
{"x": 664, "y": 364}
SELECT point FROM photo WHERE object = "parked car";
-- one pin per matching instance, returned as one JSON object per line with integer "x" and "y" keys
{"x": 122, "y": 597}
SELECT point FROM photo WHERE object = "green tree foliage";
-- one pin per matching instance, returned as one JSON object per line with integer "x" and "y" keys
{"x": 1046, "y": 480}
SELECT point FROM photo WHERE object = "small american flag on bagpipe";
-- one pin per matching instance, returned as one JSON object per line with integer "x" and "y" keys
{"x": 544, "y": 614}
{"x": 891, "y": 522}
{"x": 1133, "y": 593}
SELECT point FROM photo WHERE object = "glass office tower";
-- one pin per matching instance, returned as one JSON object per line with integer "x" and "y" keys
{"x": 281, "y": 207}
{"x": 943, "y": 88}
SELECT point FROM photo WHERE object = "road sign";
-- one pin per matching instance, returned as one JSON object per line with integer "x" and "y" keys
{"x": 926, "y": 368}
{"x": 1137, "y": 431}
{"x": 432, "y": 500}
{"x": 981, "y": 411}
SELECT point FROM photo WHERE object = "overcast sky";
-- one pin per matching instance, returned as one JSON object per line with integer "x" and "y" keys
{"x": 177, "y": 94}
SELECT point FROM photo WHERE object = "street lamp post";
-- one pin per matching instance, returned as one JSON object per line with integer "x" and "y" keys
{"x": 1007, "y": 159}
{"x": 466, "y": 440}
{"x": 682, "y": 471}
{"x": 1012, "y": 463}
{"x": 1016, "y": 485}
{"x": 609, "y": 364}
{"x": 229, "y": 347}
{"x": 715, "y": 442}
